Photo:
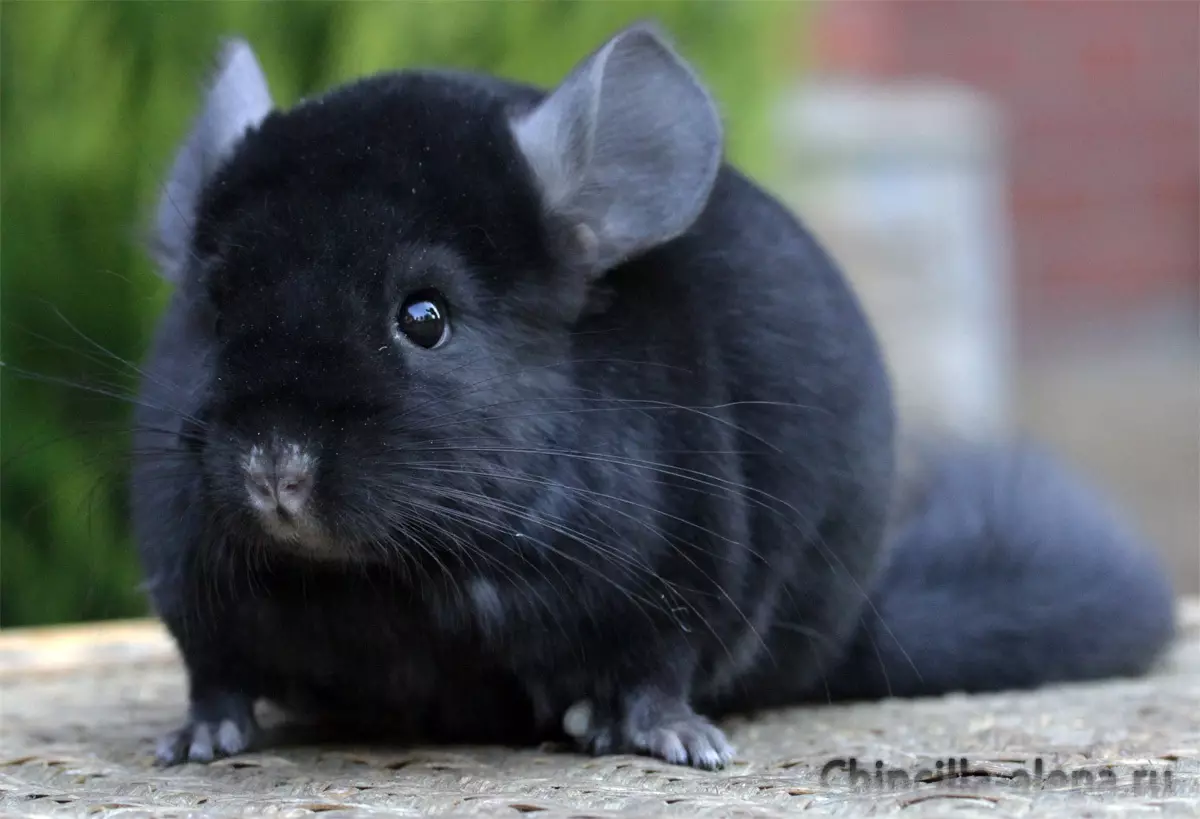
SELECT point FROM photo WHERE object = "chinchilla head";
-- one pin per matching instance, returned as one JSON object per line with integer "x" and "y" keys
{"x": 386, "y": 280}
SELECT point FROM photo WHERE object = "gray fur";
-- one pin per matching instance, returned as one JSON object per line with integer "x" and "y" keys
{"x": 626, "y": 149}
{"x": 237, "y": 100}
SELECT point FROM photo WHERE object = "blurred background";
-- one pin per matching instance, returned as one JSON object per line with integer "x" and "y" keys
{"x": 1012, "y": 186}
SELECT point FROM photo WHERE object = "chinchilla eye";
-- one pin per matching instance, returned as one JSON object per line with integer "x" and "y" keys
{"x": 423, "y": 320}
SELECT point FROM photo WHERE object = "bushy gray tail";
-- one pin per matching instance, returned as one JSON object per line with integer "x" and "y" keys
{"x": 1006, "y": 572}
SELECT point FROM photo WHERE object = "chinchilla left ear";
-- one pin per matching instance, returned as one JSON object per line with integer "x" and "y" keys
{"x": 236, "y": 101}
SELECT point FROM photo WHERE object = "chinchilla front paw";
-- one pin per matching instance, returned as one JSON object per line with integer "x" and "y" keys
{"x": 222, "y": 725}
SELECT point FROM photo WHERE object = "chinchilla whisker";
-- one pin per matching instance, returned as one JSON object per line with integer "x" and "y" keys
{"x": 490, "y": 529}
{"x": 610, "y": 551}
{"x": 633, "y": 568}
{"x": 556, "y": 452}
{"x": 462, "y": 541}
{"x": 97, "y": 386}
{"x": 465, "y": 390}
{"x": 707, "y": 410}
{"x": 487, "y": 472}
{"x": 123, "y": 429}
{"x": 432, "y": 553}
{"x": 487, "y": 528}
{"x": 129, "y": 366}
{"x": 29, "y": 448}
{"x": 602, "y": 500}
{"x": 106, "y": 392}
{"x": 113, "y": 458}
{"x": 91, "y": 358}
{"x": 100, "y": 438}
{"x": 526, "y": 370}
{"x": 514, "y": 576}
{"x": 590, "y": 494}
{"x": 614, "y": 405}
{"x": 575, "y": 535}
{"x": 836, "y": 564}
{"x": 385, "y": 545}
{"x": 445, "y": 442}
{"x": 732, "y": 488}
{"x": 492, "y": 504}
{"x": 474, "y": 412}
{"x": 831, "y": 558}
{"x": 488, "y": 503}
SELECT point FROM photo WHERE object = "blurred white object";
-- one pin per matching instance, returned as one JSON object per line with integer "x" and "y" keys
{"x": 903, "y": 183}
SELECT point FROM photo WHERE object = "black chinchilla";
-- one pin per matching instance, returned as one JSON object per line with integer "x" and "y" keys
{"x": 491, "y": 414}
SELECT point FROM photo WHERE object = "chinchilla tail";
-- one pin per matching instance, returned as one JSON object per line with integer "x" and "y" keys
{"x": 1005, "y": 572}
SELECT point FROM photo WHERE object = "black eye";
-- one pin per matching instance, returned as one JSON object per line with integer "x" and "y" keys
{"x": 422, "y": 319}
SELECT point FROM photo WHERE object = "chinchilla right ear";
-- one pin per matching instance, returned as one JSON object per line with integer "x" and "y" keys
{"x": 625, "y": 150}
{"x": 237, "y": 100}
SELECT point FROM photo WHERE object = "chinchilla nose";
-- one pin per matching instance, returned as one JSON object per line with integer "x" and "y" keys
{"x": 279, "y": 478}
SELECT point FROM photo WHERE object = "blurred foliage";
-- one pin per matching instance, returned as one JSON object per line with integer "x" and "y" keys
{"x": 96, "y": 96}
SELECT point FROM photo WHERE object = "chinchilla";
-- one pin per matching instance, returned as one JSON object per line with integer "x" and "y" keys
{"x": 496, "y": 414}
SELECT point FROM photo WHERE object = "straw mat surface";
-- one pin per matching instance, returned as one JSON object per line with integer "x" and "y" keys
{"x": 81, "y": 706}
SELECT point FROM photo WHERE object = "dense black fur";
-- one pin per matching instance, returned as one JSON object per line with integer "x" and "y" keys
{"x": 664, "y": 489}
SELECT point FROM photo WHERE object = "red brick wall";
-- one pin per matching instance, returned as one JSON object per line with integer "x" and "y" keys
{"x": 1102, "y": 101}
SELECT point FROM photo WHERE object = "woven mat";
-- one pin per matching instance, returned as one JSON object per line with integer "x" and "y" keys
{"x": 80, "y": 707}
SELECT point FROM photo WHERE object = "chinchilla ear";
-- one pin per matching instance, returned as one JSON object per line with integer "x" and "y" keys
{"x": 237, "y": 100}
{"x": 626, "y": 149}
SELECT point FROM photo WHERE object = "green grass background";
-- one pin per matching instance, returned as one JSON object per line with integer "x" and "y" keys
{"x": 94, "y": 97}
